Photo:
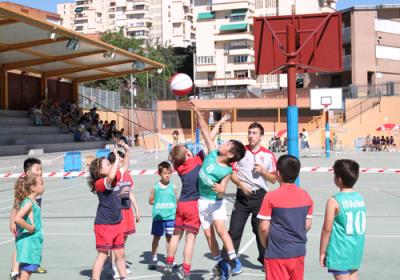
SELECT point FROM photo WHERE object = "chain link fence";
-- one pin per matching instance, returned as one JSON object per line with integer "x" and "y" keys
{"x": 106, "y": 98}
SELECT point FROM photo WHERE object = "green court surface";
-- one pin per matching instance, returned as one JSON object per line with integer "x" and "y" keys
{"x": 69, "y": 208}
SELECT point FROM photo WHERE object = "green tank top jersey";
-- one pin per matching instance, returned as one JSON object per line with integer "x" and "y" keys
{"x": 29, "y": 245}
{"x": 164, "y": 206}
{"x": 211, "y": 172}
{"x": 346, "y": 243}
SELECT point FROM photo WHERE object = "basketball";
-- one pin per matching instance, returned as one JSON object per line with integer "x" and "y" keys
{"x": 181, "y": 84}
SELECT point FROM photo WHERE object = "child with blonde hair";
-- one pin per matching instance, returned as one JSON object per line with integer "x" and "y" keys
{"x": 29, "y": 235}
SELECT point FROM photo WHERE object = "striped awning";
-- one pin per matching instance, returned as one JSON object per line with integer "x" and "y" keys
{"x": 234, "y": 27}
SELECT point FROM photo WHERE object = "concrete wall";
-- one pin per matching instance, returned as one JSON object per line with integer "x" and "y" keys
{"x": 365, "y": 124}
{"x": 363, "y": 45}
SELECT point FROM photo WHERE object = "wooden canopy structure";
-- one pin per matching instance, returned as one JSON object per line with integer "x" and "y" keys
{"x": 49, "y": 50}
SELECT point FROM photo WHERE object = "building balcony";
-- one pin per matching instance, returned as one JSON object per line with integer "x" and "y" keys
{"x": 141, "y": 3}
{"x": 346, "y": 62}
{"x": 244, "y": 51}
{"x": 120, "y": 3}
{"x": 233, "y": 36}
{"x": 137, "y": 12}
{"x": 137, "y": 28}
{"x": 223, "y": 5}
{"x": 81, "y": 16}
{"x": 230, "y": 81}
{"x": 346, "y": 35}
{"x": 240, "y": 66}
{"x": 206, "y": 67}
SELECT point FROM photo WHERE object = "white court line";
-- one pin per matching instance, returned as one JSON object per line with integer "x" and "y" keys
{"x": 193, "y": 273}
{"x": 245, "y": 247}
{"x": 367, "y": 235}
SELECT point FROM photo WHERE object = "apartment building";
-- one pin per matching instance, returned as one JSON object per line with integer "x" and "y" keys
{"x": 167, "y": 22}
{"x": 224, "y": 62}
{"x": 371, "y": 50}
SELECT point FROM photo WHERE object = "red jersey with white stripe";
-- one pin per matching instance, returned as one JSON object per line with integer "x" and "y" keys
{"x": 245, "y": 167}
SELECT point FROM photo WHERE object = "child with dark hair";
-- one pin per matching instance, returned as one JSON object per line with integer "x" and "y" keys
{"x": 343, "y": 232}
{"x": 107, "y": 225}
{"x": 285, "y": 218}
{"x": 187, "y": 221}
{"x": 213, "y": 178}
{"x": 29, "y": 234}
{"x": 163, "y": 198}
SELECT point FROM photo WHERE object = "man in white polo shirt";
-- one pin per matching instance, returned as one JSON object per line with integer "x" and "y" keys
{"x": 251, "y": 176}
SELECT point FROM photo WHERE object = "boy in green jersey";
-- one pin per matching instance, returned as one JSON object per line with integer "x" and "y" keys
{"x": 212, "y": 181}
{"x": 163, "y": 199}
{"x": 343, "y": 233}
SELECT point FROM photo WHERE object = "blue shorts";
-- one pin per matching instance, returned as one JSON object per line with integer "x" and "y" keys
{"x": 28, "y": 267}
{"x": 160, "y": 228}
{"x": 341, "y": 272}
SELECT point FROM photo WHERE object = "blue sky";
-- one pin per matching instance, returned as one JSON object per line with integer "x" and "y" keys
{"x": 51, "y": 5}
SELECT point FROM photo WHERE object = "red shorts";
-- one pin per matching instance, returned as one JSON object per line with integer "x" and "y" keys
{"x": 128, "y": 221}
{"x": 284, "y": 269}
{"x": 187, "y": 216}
{"x": 109, "y": 237}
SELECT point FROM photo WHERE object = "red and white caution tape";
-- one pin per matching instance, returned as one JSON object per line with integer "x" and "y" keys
{"x": 139, "y": 172}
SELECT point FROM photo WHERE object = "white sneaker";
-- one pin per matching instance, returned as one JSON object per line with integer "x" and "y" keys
{"x": 116, "y": 274}
{"x": 128, "y": 271}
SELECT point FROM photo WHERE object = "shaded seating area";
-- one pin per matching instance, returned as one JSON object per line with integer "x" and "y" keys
{"x": 40, "y": 60}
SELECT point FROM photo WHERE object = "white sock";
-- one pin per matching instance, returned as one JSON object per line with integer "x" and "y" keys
{"x": 232, "y": 255}
{"x": 13, "y": 273}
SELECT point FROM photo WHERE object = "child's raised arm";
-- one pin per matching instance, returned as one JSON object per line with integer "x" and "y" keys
{"x": 330, "y": 213}
{"x": 19, "y": 217}
{"x": 125, "y": 163}
{"x": 216, "y": 128}
{"x": 113, "y": 172}
{"x": 204, "y": 128}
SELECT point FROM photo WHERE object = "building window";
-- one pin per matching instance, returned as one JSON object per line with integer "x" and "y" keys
{"x": 238, "y": 17}
{"x": 205, "y": 60}
{"x": 79, "y": 28}
{"x": 210, "y": 76}
{"x": 240, "y": 58}
{"x": 176, "y": 119}
{"x": 81, "y": 21}
{"x": 241, "y": 74}
{"x": 240, "y": 44}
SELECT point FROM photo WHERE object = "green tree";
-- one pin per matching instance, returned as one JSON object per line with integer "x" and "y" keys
{"x": 147, "y": 49}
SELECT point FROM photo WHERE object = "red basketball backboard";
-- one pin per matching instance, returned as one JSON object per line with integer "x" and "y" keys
{"x": 319, "y": 43}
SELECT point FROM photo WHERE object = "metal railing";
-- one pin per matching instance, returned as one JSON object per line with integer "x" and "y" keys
{"x": 105, "y": 98}
{"x": 103, "y": 108}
